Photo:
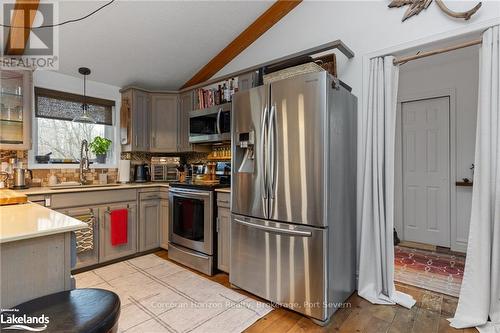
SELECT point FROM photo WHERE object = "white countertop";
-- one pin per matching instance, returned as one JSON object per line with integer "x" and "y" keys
{"x": 223, "y": 190}
{"x": 25, "y": 221}
{"x": 51, "y": 190}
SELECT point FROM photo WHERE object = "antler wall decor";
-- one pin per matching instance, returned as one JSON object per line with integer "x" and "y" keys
{"x": 416, "y": 6}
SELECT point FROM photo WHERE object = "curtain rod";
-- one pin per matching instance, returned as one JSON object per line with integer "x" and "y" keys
{"x": 400, "y": 60}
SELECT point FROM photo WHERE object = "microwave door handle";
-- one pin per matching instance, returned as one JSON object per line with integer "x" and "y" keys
{"x": 218, "y": 120}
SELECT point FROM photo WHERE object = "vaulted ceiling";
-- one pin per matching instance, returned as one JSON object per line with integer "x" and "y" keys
{"x": 152, "y": 44}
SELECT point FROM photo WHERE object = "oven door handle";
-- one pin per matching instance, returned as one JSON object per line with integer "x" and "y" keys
{"x": 190, "y": 194}
{"x": 288, "y": 232}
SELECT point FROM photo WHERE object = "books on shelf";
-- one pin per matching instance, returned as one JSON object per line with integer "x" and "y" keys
{"x": 208, "y": 97}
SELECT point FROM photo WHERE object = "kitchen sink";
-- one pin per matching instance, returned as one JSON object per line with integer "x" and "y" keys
{"x": 67, "y": 187}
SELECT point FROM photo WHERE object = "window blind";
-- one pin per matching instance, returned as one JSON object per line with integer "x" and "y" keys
{"x": 53, "y": 104}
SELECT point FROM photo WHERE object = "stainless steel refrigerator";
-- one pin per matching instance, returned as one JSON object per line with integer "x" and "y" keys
{"x": 293, "y": 224}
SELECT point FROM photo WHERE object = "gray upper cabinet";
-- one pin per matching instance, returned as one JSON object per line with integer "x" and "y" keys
{"x": 186, "y": 105}
{"x": 15, "y": 114}
{"x": 135, "y": 115}
{"x": 141, "y": 120}
{"x": 164, "y": 122}
{"x": 156, "y": 122}
{"x": 150, "y": 214}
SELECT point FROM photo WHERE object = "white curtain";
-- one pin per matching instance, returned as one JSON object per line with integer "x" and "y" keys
{"x": 480, "y": 293}
{"x": 376, "y": 186}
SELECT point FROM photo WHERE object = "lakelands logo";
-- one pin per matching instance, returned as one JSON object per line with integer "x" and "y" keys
{"x": 29, "y": 36}
{"x": 9, "y": 321}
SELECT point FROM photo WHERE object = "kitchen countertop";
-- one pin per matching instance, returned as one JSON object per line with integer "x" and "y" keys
{"x": 25, "y": 221}
{"x": 223, "y": 190}
{"x": 51, "y": 190}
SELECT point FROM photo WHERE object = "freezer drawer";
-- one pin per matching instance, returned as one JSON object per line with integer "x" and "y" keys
{"x": 280, "y": 262}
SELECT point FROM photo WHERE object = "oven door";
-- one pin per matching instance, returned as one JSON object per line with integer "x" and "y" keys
{"x": 191, "y": 219}
{"x": 210, "y": 125}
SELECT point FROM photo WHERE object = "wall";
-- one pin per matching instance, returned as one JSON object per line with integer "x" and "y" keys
{"x": 365, "y": 27}
{"x": 456, "y": 71}
{"x": 62, "y": 82}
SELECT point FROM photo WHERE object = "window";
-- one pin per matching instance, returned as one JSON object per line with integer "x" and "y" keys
{"x": 57, "y": 133}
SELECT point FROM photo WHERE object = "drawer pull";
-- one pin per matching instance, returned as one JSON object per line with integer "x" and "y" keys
{"x": 289, "y": 232}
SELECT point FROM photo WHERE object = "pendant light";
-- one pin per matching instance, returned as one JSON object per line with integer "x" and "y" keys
{"x": 84, "y": 117}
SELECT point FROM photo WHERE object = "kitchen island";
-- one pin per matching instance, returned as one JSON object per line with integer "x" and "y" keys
{"x": 35, "y": 252}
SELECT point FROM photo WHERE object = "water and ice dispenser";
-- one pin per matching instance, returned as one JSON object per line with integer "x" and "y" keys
{"x": 245, "y": 154}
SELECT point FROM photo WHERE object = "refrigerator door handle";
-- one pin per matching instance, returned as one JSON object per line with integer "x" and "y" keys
{"x": 272, "y": 151}
{"x": 289, "y": 232}
{"x": 263, "y": 157}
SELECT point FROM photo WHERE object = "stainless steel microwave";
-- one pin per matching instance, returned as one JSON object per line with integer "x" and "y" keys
{"x": 211, "y": 124}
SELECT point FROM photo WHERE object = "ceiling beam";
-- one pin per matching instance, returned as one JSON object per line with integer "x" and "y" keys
{"x": 21, "y": 22}
{"x": 263, "y": 23}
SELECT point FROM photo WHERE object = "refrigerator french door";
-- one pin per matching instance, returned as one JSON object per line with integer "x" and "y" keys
{"x": 250, "y": 124}
{"x": 288, "y": 125}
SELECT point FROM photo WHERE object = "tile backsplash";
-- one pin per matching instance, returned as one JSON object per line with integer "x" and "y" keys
{"x": 41, "y": 176}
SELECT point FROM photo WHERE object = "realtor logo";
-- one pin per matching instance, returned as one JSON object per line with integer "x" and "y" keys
{"x": 29, "y": 38}
{"x": 11, "y": 320}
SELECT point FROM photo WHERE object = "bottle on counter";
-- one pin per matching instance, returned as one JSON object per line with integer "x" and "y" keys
{"x": 225, "y": 91}
{"x": 52, "y": 178}
{"x": 231, "y": 89}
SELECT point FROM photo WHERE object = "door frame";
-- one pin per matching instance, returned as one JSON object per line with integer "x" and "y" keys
{"x": 398, "y": 159}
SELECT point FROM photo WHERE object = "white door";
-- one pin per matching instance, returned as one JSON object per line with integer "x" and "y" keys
{"x": 426, "y": 170}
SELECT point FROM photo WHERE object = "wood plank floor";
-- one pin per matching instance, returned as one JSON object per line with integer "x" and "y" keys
{"x": 427, "y": 316}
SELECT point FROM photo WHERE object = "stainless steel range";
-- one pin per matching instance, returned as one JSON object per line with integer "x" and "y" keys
{"x": 192, "y": 225}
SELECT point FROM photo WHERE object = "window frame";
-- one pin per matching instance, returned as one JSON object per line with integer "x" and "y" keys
{"x": 110, "y": 162}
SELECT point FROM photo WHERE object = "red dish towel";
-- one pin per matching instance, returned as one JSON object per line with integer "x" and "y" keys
{"x": 119, "y": 219}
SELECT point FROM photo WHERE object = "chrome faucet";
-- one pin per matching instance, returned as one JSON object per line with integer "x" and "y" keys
{"x": 84, "y": 161}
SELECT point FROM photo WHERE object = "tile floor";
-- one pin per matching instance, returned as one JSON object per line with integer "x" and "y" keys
{"x": 159, "y": 296}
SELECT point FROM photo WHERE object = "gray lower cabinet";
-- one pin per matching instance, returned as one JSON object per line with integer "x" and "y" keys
{"x": 106, "y": 250}
{"x": 223, "y": 231}
{"x": 87, "y": 239}
{"x": 150, "y": 213}
{"x": 164, "y": 224}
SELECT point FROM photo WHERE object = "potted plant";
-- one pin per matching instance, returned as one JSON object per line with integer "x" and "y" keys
{"x": 100, "y": 146}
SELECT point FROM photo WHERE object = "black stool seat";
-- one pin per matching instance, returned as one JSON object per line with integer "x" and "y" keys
{"x": 79, "y": 310}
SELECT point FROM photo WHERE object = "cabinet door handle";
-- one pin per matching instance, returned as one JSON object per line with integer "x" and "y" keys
{"x": 217, "y": 224}
{"x": 150, "y": 197}
{"x": 108, "y": 211}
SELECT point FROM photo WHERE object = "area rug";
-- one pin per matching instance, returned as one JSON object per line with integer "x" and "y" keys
{"x": 430, "y": 270}
{"x": 159, "y": 296}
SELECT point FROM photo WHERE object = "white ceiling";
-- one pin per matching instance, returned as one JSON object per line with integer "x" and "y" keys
{"x": 152, "y": 44}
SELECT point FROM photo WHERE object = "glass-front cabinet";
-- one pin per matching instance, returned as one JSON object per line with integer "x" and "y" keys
{"x": 16, "y": 103}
